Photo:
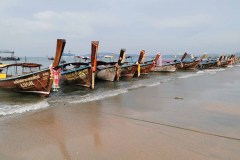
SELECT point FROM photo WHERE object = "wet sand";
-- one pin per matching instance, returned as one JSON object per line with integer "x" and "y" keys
{"x": 144, "y": 123}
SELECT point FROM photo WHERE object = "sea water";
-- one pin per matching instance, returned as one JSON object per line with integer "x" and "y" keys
{"x": 17, "y": 103}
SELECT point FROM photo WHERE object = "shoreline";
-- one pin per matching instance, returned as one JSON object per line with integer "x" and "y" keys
{"x": 118, "y": 127}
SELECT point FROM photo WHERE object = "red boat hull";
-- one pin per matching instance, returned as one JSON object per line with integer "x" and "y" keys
{"x": 128, "y": 71}
{"x": 36, "y": 82}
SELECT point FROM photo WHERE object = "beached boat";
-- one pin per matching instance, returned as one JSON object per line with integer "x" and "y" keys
{"x": 30, "y": 78}
{"x": 145, "y": 67}
{"x": 128, "y": 69}
{"x": 111, "y": 71}
{"x": 227, "y": 61}
{"x": 236, "y": 60}
{"x": 164, "y": 66}
{"x": 224, "y": 62}
{"x": 209, "y": 64}
{"x": 79, "y": 73}
{"x": 189, "y": 65}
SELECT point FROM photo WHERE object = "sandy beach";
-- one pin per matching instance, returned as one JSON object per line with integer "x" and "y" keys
{"x": 192, "y": 118}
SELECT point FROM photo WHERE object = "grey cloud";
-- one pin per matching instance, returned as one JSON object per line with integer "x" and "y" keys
{"x": 154, "y": 25}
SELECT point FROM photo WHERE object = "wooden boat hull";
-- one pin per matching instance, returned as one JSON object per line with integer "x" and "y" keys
{"x": 80, "y": 76}
{"x": 226, "y": 63}
{"x": 236, "y": 61}
{"x": 145, "y": 68}
{"x": 188, "y": 65}
{"x": 128, "y": 71}
{"x": 107, "y": 73}
{"x": 39, "y": 82}
{"x": 111, "y": 71}
{"x": 167, "y": 68}
{"x": 35, "y": 82}
{"x": 210, "y": 65}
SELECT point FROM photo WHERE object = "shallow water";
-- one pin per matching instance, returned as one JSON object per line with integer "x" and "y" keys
{"x": 12, "y": 103}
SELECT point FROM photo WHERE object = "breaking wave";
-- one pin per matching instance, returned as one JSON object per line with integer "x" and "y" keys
{"x": 214, "y": 70}
{"x": 205, "y": 71}
{"x": 154, "y": 84}
{"x": 135, "y": 86}
{"x": 99, "y": 96}
{"x": 101, "y": 93}
{"x": 191, "y": 75}
{"x": 9, "y": 109}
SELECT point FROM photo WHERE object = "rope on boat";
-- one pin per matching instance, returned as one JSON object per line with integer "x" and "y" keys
{"x": 177, "y": 127}
{"x": 42, "y": 85}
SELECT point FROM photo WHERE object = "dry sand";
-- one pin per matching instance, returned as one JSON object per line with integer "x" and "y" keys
{"x": 133, "y": 125}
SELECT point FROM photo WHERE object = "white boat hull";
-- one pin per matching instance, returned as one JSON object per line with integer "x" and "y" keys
{"x": 107, "y": 74}
{"x": 168, "y": 68}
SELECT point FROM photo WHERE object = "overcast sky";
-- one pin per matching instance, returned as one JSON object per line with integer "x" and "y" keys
{"x": 31, "y": 28}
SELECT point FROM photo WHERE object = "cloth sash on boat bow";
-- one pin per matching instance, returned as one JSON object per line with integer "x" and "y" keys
{"x": 159, "y": 61}
{"x": 54, "y": 74}
{"x": 140, "y": 59}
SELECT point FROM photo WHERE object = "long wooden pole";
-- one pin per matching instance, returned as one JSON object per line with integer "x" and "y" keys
{"x": 184, "y": 56}
{"x": 142, "y": 53}
{"x": 95, "y": 45}
{"x": 121, "y": 60}
{"x": 156, "y": 58}
{"x": 59, "y": 50}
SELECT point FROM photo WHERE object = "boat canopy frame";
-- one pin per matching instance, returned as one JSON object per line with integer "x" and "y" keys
{"x": 23, "y": 65}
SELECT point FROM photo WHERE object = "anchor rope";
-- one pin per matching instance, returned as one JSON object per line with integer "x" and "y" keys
{"x": 42, "y": 85}
{"x": 173, "y": 126}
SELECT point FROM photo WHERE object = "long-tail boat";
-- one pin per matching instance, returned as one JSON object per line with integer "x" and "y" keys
{"x": 128, "y": 70}
{"x": 164, "y": 66}
{"x": 189, "y": 65}
{"x": 145, "y": 67}
{"x": 82, "y": 74}
{"x": 32, "y": 78}
{"x": 111, "y": 71}
{"x": 209, "y": 64}
{"x": 236, "y": 59}
{"x": 227, "y": 61}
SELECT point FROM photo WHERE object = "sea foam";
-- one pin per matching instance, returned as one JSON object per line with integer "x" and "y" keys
{"x": 214, "y": 70}
{"x": 154, "y": 84}
{"x": 8, "y": 109}
{"x": 191, "y": 75}
{"x": 98, "y": 96}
